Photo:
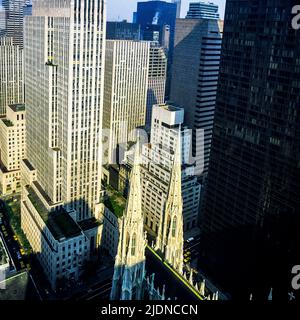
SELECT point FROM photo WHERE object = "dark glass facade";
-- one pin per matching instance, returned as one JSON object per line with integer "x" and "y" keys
{"x": 158, "y": 13}
{"x": 123, "y": 31}
{"x": 162, "y": 14}
{"x": 251, "y": 207}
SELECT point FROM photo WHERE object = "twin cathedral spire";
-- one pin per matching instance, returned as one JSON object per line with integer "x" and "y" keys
{"x": 129, "y": 280}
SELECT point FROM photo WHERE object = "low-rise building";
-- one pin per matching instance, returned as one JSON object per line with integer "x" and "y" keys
{"x": 61, "y": 244}
{"x": 113, "y": 207}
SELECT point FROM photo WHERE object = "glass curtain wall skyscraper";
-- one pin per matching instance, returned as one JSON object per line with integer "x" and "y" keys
{"x": 251, "y": 211}
{"x": 203, "y": 10}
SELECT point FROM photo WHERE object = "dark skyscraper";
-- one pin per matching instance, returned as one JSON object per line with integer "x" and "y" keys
{"x": 251, "y": 211}
{"x": 15, "y": 10}
{"x": 158, "y": 13}
{"x": 158, "y": 20}
{"x": 122, "y": 30}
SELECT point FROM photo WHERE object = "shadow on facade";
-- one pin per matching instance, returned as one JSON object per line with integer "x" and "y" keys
{"x": 251, "y": 259}
{"x": 66, "y": 253}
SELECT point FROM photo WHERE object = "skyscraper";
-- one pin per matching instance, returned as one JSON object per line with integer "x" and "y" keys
{"x": 125, "y": 92}
{"x": 157, "y": 20}
{"x": 203, "y": 10}
{"x": 11, "y": 74}
{"x": 123, "y": 30}
{"x": 2, "y": 21}
{"x": 195, "y": 74}
{"x": 157, "y": 79}
{"x": 158, "y": 158}
{"x": 157, "y": 13}
{"x": 251, "y": 209}
{"x": 64, "y": 75}
{"x": 15, "y": 20}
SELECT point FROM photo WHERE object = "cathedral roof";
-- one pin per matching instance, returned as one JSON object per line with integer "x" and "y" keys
{"x": 175, "y": 285}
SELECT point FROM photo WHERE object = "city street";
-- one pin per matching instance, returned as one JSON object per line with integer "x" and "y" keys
{"x": 191, "y": 250}
{"x": 20, "y": 261}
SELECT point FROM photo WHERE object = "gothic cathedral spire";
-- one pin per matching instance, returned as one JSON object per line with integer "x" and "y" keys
{"x": 130, "y": 260}
{"x": 170, "y": 238}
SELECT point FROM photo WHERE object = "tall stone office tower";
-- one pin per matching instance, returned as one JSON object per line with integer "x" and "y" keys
{"x": 64, "y": 68}
{"x": 170, "y": 236}
{"x": 129, "y": 274}
{"x": 157, "y": 79}
{"x": 251, "y": 210}
{"x": 195, "y": 74}
{"x": 11, "y": 74}
{"x": 125, "y": 92}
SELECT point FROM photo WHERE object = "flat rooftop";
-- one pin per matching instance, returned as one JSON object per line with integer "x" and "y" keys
{"x": 88, "y": 224}
{"x": 115, "y": 202}
{"x": 59, "y": 222}
{"x": 7, "y": 122}
{"x": 17, "y": 107}
{"x": 170, "y": 107}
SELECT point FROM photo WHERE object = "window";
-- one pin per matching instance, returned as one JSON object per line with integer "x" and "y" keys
{"x": 133, "y": 245}
{"x": 174, "y": 225}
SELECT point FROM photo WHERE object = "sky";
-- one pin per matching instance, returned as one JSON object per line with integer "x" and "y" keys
{"x": 123, "y": 9}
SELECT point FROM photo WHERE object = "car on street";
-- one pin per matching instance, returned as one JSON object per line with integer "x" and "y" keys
{"x": 190, "y": 240}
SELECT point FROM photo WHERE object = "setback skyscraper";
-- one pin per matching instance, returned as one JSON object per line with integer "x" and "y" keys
{"x": 64, "y": 68}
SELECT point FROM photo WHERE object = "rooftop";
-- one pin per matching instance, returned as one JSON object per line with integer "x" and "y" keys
{"x": 59, "y": 222}
{"x": 170, "y": 107}
{"x": 8, "y": 123}
{"x": 88, "y": 224}
{"x": 17, "y": 107}
{"x": 115, "y": 202}
{"x": 175, "y": 284}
